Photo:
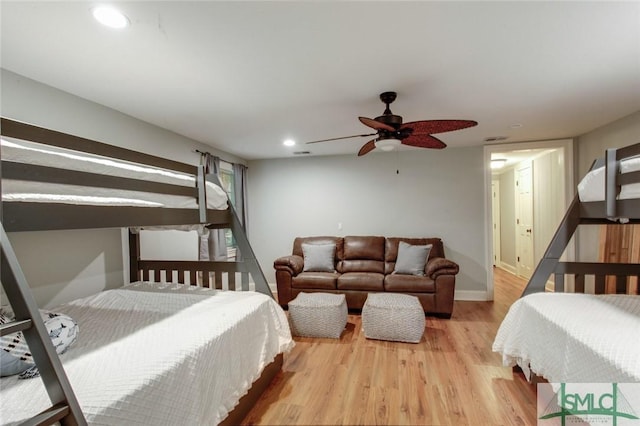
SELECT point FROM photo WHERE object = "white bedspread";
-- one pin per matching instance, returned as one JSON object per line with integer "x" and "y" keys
{"x": 158, "y": 354}
{"x": 37, "y": 154}
{"x": 573, "y": 338}
{"x": 591, "y": 187}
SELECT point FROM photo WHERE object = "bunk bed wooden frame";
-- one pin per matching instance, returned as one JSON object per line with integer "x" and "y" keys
{"x": 515, "y": 341}
{"x": 38, "y": 216}
{"x": 609, "y": 211}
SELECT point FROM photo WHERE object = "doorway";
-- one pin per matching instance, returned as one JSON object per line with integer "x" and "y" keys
{"x": 529, "y": 211}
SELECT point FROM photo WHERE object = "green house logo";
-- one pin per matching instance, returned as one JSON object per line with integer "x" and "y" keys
{"x": 601, "y": 406}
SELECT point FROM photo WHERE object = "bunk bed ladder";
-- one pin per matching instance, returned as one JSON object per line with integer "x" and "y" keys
{"x": 549, "y": 263}
{"x": 248, "y": 256}
{"x": 65, "y": 408}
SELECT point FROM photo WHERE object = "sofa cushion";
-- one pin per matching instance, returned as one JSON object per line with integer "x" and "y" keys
{"x": 368, "y": 281}
{"x": 316, "y": 280}
{"x": 319, "y": 257}
{"x": 411, "y": 259}
{"x": 409, "y": 284}
{"x": 363, "y": 254}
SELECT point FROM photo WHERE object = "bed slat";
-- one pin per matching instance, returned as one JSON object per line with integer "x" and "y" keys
{"x": 600, "y": 284}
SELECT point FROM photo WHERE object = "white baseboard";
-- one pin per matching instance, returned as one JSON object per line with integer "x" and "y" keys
{"x": 466, "y": 295}
{"x": 509, "y": 268}
{"x": 470, "y": 295}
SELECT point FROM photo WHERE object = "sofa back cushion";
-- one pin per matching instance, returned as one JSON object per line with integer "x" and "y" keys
{"x": 297, "y": 245}
{"x": 363, "y": 254}
{"x": 391, "y": 249}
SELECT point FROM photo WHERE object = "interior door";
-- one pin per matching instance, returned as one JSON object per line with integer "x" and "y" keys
{"x": 524, "y": 219}
{"x": 495, "y": 213}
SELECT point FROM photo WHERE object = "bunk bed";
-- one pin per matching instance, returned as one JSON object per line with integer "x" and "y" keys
{"x": 173, "y": 347}
{"x": 577, "y": 332}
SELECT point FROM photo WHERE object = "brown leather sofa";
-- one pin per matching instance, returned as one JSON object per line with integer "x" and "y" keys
{"x": 365, "y": 264}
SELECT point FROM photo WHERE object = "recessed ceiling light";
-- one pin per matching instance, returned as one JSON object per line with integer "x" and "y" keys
{"x": 289, "y": 142}
{"x": 515, "y": 126}
{"x": 110, "y": 17}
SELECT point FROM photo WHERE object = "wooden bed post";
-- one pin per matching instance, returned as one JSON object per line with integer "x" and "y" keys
{"x": 134, "y": 256}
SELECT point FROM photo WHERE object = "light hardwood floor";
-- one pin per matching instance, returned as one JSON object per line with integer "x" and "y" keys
{"x": 450, "y": 378}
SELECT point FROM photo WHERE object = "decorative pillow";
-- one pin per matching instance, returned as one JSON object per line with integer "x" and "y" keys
{"x": 15, "y": 356}
{"x": 411, "y": 259}
{"x": 318, "y": 257}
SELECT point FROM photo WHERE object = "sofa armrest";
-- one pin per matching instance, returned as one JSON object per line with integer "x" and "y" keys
{"x": 437, "y": 266}
{"x": 292, "y": 264}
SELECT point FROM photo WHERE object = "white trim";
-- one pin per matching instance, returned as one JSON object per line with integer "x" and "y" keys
{"x": 509, "y": 268}
{"x": 465, "y": 295}
{"x": 567, "y": 145}
{"x": 470, "y": 296}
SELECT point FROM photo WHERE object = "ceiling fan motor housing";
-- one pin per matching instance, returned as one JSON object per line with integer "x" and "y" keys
{"x": 387, "y": 116}
{"x": 392, "y": 120}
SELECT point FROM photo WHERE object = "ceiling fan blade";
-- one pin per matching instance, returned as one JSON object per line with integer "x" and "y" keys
{"x": 428, "y": 127}
{"x": 424, "y": 141}
{"x": 367, "y": 147}
{"x": 342, "y": 137}
{"x": 370, "y": 122}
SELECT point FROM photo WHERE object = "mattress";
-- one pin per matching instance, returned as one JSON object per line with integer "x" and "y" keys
{"x": 36, "y": 154}
{"x": 573, "y": 338}
{"x": 161, "y": 354}
{"x": 591, "y": 187}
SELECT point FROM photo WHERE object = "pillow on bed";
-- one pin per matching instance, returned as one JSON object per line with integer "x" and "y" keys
{"x": 411, "y": 259}
{"x": 15, "y": 356}
{"x": 318, "y": 257}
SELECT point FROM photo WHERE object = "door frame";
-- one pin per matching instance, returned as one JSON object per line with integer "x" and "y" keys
{"x": 567, "y": 147}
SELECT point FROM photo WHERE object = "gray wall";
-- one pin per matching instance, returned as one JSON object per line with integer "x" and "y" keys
{"x": 590, "y": 146}
{"x": 64, "y": 265}
{"x": 434, "y": 193}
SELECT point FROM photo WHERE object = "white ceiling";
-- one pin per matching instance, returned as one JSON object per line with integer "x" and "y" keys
{"x": 243, "y": 76}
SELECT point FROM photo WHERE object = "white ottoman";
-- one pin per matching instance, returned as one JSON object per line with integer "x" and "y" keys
{"x": 393, "y": 316}
{"x": 318, "y": 315}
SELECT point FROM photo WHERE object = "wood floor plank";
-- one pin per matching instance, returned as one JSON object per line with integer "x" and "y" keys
{"x": 450, "y": 378}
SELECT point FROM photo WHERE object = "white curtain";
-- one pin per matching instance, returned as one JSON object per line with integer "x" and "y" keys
{"x": 212, "y": 244}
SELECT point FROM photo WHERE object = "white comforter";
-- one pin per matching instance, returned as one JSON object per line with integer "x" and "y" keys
{"x": 591, "y": 187}
{"x": 573, "y": 338}
{"x": 160, "y": 355}
{"x": 36, "y": 154}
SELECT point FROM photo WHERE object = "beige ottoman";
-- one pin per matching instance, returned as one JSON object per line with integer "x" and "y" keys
{"x": 393, "y": 316}
{"x": 318, "y": 315}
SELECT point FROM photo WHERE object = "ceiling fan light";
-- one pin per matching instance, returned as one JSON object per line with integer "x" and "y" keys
{"x": 388, "y": 144}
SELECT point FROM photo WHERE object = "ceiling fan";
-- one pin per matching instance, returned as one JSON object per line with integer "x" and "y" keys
{"x": 391, "y": 132}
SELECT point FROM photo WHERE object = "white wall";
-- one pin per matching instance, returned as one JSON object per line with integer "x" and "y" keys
{"x": 548, "y": 199}
{"x": 63, "y": 265}
{"x": 435, "y": 193}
